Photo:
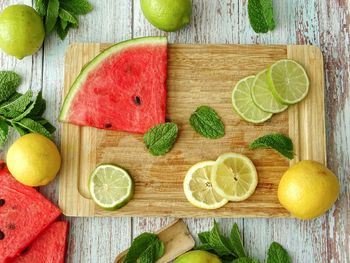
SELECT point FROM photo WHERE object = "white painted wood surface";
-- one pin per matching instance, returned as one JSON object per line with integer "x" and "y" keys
{"x": 323, "y": 23}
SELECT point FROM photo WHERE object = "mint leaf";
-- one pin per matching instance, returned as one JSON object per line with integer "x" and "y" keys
{"x": 51, "y": 15}
{"x": 236, "y": 242}
{"x": 34, "y": 127}
{"x": 278, "y": 142}
{"x": 204, "y": 237}
{"x": 41, "y": 6}
{"x": 16, "y": 106}
{"x": 219, "y": 243}
{"x": 277, "y": 254}
{"x": 9, "y": 81}
{"x": 207, "y": 123}
{"x": 77, "y": 7}
{"x": 146, "y": 248}
{"x": 20, "y": 131}
{"x": 245, "y": 260}
{"x": 4, "y": 130}
{"x": 62, "y": 30}
{"x": 66, "y": 16}
{"x": 260, "y": 14}
{"x": 160, "y": 139}
{"x": 39, "y": 107}
{"x": 48, "y": 126}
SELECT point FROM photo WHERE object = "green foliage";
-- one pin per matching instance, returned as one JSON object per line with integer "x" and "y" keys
{"x": 207, "y": 123}
{"x": 277, "y": 254}
{"x": 146, "y": 248}
{"x": 160, "y": 139}
{"x": 278, "y": 142}
{"x": 260, "y": 14}
{"x": 20, "y": 111}
{"x": 62, "y": 15}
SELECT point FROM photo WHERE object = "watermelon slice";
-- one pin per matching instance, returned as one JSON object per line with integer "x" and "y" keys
{"x": 123, "y": 88}
{"x": 48, "y": 247}
{"x": 24, "y": 214}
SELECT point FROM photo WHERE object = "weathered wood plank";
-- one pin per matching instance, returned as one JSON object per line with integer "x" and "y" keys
{"x": 91, "y": 240}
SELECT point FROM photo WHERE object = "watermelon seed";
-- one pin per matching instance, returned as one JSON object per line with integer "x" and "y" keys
{"x": 11, "y": 227}
{"x": 108, "y": 125}
{"x": 25, "y": 250}
{"x": 137, "y": 100}
{"x": 2, "y": 202}
{"x": 2, "y": 235}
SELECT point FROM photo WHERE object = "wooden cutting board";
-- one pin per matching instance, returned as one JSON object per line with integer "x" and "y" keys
{"x": 198, "y": 75}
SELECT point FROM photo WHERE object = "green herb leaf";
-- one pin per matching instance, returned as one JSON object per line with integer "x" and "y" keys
{"x": 236, "y": 242}
{"x": 160, "y": 139}
{"x": 33, "y": 126}
{"x": 9, "y": 81}
{"x": 146, "y": 248}
{"x": 4, "y": 130}
{"x": 16, "y": 106}
{"x": 66, "y": 16}
{"x": 245, "y": 260}
{"x": 62, "y": 30}
{"x": 77, "y": 7}
{"x": 207, "y": 123}
{"x": 277, "y": 254}
{"x": 48, "y": 126}
{"x": 20, "y": 131}
{"x": 261, "y": 15}
{"x": 51, "y": 15}
{"x": 39, "y": 107}
{"x": 41, "y": 6}
{"x": 204, "y": 237}
{"x": 278, "y": 142}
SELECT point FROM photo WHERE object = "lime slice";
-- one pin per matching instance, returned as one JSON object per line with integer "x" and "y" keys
{"x": 262, "y": 95}
{"x": 198, "y": 187}
{"x": 234, "y": 177}
{"x": 289, "y": 81}
{"x": 243, "y": 104}
{"x": 110, "y": 186}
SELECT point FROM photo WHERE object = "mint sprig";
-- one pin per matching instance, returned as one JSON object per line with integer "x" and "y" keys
{"x": 146, "y": 248}
{"x": 62, "y": 15}
{"x": 278, "y": 142}
{"x": 22, "y": 112}
{"x": 160, "y": 139}
{"x": 207, "y": 123}
{"x": 260, "y": 14}
{"x": 231, "y": 249}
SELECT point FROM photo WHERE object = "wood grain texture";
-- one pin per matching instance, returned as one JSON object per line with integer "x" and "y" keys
{"x": 321, "y": 23}
{"x": 195, "y": 74}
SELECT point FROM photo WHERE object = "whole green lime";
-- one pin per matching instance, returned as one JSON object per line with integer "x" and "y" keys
{"x": 167, "y": 15}
{"x": 21, "y": 31}
{"x": 198, "y": 256}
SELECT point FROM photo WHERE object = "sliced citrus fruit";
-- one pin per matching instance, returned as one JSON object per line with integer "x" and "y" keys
{"x": 262, "y": 95}
{"x": 110, "y": 186}
{"x": 243, "y": 103}
{"x": 198, "y": 187}
{"x": 289, "y": 81}
{"x": 234, "y": 177}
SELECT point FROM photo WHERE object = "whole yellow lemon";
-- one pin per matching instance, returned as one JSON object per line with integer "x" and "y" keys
{"x": 33, "y": 160}
{"x": 308, "y": 189}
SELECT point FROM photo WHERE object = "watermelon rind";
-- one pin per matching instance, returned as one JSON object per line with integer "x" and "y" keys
{"x": 115, "y": 49}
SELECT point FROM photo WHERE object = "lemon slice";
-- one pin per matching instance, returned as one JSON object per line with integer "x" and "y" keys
{"x": 289, "y": 81}
{"x": 234, "y": 177}
{"x": 262, "y": 95}
{"x": 198, "y": 187}
{"x": 110, "y": 186}
{"x": 243, "y": 103}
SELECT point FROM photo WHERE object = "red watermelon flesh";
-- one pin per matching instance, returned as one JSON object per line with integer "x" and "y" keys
{"x": 24, "y": 214}
{"x": 48, "y": 247}
{"x": 123, "y": 88}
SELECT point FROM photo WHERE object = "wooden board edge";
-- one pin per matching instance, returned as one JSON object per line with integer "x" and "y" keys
{"x": 168, "y": 234}
{"x": 307, "y": 118}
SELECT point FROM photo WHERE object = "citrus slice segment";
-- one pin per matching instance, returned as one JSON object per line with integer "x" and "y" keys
{"x": 234, "y": 177}
{"x": 243, "y": 103}
{"x": 262, "y": 95}
{"x": 110, "y": 186}
{"x": 198, "y": 187}
{"x": 289, "y": 81}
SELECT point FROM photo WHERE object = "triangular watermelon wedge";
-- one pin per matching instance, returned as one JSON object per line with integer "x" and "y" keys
{"x": 24, "y": 214}
{"x": 123, "y": 88}
{"x": 49, "y": 247}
